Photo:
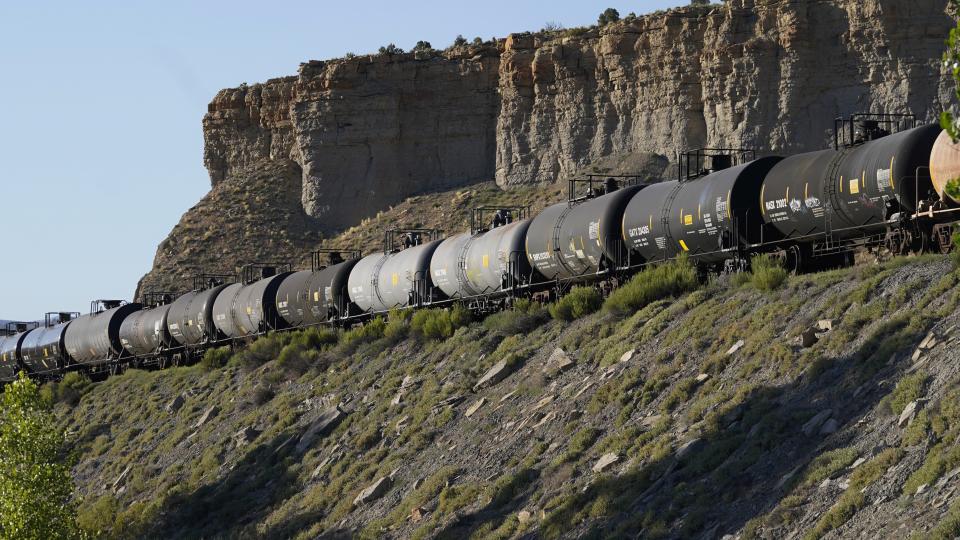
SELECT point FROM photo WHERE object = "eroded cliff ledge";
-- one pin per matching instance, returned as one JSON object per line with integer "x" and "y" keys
{"x": 363, "y": 133}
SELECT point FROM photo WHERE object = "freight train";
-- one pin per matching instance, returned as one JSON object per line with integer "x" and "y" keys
{"x": 882, "y": 185}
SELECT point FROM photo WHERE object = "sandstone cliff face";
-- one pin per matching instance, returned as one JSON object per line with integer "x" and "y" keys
{"x": 771, "y": 75}
{"x": 355, "y": 136}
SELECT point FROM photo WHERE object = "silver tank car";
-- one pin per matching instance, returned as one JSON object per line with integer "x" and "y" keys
{"x": 446, "y": 266}
{"x": 701, "y": 217}
{"x": 244, "y": 310}
{"x": 146, "y": 332}
{"x": 190, "y": 318}
{"x": 43, "y": 350}
{"x": 381, "y": 282}
{"x": 567, "y": 241}
{"x": 10, "y": 354}
{"x": 223, "y": 311}
{"x": 859, "y": 187}
{"x": 498, "y": 257}
{"x": 95, "y": 338}
{"x": 307, "y": 297}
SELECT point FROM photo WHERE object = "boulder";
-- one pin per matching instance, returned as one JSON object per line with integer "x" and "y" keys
{"x": 736, "y": 347}
{"x": 907, "y": 415}
{"x": 813, "y": 425}
{"x": 605, "y": 461}
{"x": 175, "y": 404}
{"x": 207, "y": 416}
{"x": 122, "y": 478}
{"x": 558, "y": 362}
{"x": 374, "y": 491}
{"x": 702, "y": 378}
{"x": 830, "y": 426}
{"x": 627, "y": 356}
{"x": 825, "y": 325}
{"x": 475, "y": 407}
{"x": 323, "y": 425}
{"x": 495, "y": 374}
{"x": 524, "y": 516}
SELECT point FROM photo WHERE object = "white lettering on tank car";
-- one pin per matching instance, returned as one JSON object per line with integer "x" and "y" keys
{"x": 594, "y": 230}
{"x": 883, "y": 179}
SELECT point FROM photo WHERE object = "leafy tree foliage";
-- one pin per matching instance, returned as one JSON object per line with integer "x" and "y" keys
{"x": 951, "y": 60}
{"x": 36, "y": 491}
{"x": 608, "y": 16}
{"x": 390, "y": 49}
{"x": 423, "y": 46}
{"x": 460, "y": 41}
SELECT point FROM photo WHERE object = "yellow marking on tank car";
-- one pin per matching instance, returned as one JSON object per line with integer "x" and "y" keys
{"x": 863, "y": 179}
{"x": 841, "y": 183}
{"x": 763, "y": 204}
{"x": 684, "y": 245}
{"x": 699, "y": 214}
{"x": 729, "y": 193}
{"x": 806, "y": 190}
{"x": 486, "y": 261}
{"x": 892, "y": 183}
{"x": 394, "y": 279}
{"x": 854, "y": 187}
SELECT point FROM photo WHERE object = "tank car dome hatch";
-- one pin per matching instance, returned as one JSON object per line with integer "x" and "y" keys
{"x": 567, "y": 241}
{"x": 95, "y": 338}
{"x": 945, "y": 166}
{"x": 146, "y": 331}
{"x": 44, "y": 351}
{"x": 861, "y": 187}
{"x": 311, "y": 297}
{"x": 190, "y": 318}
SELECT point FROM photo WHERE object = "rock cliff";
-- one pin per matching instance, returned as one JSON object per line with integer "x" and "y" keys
{"x": 365, "y": 132}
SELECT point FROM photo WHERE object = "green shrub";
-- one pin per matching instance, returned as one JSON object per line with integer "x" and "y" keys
{"x": 653, "y": 283}
{"x": 828, "y": 463}
{"x": 215, "y": 358}
{"x": 259, "y": 352}
{"x": 766, "y": 273}
{"x": 398, "y": 325}
{"x": 372, "y": 330}
{"x": 439, "y": 323}
{"x": 316, "y": 338}
{"x": 908, "y": 389}
{"x": 955, "y": 255}
{"x": 579, "y": 302}
{"x": 69, "y": 390}
{"x": 295, "y": 359}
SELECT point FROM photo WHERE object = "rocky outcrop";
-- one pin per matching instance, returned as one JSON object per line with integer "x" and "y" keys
{"x": 770, "y": 75}
{"x": 354, "y": 136}
{"x": 366, "y": 132}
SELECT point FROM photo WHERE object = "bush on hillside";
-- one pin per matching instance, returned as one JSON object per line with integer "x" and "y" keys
{"x": 261, "y": 351}
{"x": 439, "y": 323}
{"x": 523, "y": 317}
{"x": 215, "y": 358}
{"x": 579, "y": 302}
{"x": 653, "y": 283}
{"x": 766, "y": 273}
{"x": 955, "y": 255}
{"x": 390, "y": 49}
{"x": 69, "y": 390}
{"x": 316, "y": 338}
{"x": 370, "y": 331}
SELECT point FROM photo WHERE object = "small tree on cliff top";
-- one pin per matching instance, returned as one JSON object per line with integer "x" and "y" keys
{"x": 36, "y": 491}
{"x": 608, "y": 16}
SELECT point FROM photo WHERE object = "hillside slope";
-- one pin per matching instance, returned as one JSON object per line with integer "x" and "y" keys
{"x": 697, "y": 416}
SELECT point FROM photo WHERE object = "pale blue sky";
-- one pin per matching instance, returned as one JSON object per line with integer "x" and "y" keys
{"x": 101, "y": 148}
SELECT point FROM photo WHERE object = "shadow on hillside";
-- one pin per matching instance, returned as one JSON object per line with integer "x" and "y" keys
{"x": 244, "y": 496}
{"x": 738, "y": 470}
